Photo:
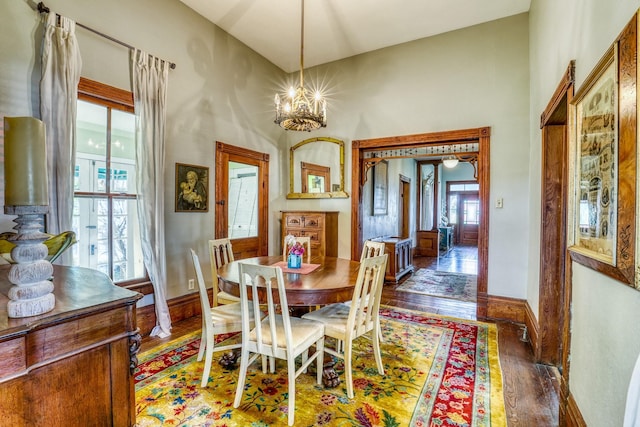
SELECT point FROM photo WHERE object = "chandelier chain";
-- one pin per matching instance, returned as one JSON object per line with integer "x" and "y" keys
{"x": 301, "y": 110}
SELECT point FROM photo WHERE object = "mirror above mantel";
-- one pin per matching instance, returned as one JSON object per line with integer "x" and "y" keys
{"x": 316, "y": 169}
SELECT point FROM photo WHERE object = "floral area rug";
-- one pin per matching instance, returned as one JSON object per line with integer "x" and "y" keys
{"x": 463, "y": 287}
{"x": 438, "y": 372}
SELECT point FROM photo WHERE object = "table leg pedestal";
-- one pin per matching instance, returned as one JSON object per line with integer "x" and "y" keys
{"x": 330, "y": 377}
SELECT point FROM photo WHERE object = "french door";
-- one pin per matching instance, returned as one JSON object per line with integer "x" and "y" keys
{"x": 242, "y": 199}
{"x": 468, "y": 219}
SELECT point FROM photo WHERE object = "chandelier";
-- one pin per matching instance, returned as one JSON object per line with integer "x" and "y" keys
{"x": 301, "y": 109}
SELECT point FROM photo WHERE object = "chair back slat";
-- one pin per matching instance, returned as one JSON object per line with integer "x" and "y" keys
{"x": 202, "y": 289}
{"x": 220, "y": 253}
{"x": 365, "y": 302}
{"x": 263, "y": 281}
{"x": 372, "y": 249}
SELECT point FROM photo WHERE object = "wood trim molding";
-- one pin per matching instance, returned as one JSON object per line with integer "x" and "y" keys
{"x": 90, "y": 90}
{"x": 505, "y": 309}
{"x": 567, "y": 81}
{"x": 571, "y": 416}
{"x": 533, "y": 330}
{"x": 180, "y": 308}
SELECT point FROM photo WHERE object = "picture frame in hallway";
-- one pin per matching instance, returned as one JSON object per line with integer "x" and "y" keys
{"x": 380, "y": 188}
{"x": 602, "y": 166}
{"x": 192, "y": 188}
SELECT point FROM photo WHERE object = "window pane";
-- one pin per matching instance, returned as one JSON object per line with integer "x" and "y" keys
{"x": 453, "y": 209}
{"x": 471, "y": 212}
{"x": 127, "y": 249}
{"x": 90, "y": 232}
{"x": 123, "y": 152}
{"x": 91, "y": 149}
{"x": 243, "y": 200}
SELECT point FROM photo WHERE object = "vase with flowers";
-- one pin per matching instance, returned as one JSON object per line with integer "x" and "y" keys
{"x": 295, "y": 250}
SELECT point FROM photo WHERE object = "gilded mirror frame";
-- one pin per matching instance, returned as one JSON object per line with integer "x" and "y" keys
{"x": 340, "y": 194}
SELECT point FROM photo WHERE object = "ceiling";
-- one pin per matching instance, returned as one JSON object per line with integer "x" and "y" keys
{"x": 337, "y": 29}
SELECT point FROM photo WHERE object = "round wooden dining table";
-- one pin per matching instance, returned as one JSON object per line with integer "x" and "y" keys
{"x": 331, "y": 282}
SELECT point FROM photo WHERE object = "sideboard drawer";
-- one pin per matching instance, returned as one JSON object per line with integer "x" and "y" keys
{"x": 320, "y": 227}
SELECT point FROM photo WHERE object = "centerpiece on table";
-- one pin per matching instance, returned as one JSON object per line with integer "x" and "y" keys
{"x": 295, "y": 250}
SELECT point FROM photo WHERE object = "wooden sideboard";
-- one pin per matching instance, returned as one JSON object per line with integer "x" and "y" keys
{"x": 400, "y": 259}
{"x": 321, "y": 227}
{"x": 72, "y": 366}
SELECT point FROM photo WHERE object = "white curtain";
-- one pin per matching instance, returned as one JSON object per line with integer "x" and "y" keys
{"x": 61, "y": 64}
{"x": 426, "y": 215}
{"x": 632, "y": 408}
{"x": 149, "y": 76}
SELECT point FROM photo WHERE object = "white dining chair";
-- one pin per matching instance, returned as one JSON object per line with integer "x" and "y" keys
{"x": 278, "y": 335}
{"x": 222, "y": 319}
{"x": 345, "y": 322}
{"x": 220, "y": 253}
{"x": 305, "y": 241}
{"x": 371, "y": 249}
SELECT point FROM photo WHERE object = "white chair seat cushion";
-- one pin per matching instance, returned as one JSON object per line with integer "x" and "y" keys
{"x": 224, "y": 296}
{"x": 229, "y": 315}
{"x": 302, "y": 331}
{"x": 333, "y": 316}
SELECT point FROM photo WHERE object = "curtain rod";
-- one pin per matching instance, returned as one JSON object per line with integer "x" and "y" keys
{"x": 44, "y": 9}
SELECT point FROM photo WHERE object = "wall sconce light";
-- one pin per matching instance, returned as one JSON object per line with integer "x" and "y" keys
{"x": 27, "y": 196}
{"x": 450, "y": 161}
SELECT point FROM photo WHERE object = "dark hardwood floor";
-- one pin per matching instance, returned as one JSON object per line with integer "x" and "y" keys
{"x": 530, "y": 389}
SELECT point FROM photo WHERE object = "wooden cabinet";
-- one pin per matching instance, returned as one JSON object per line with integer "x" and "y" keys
{"x": 72, "y": 366}
{"x": 400, "y": 259}
{"x": 427, "y": 243}
{"x": 446, "y": 239}
{"x": 321, "y": 227}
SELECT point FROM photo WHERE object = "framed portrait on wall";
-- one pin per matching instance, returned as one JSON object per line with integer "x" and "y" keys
{"x": 192, "y": 188}
{"x": 602, "y": 166}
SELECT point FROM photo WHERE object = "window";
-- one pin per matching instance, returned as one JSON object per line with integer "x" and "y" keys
{"x": 460, "y": 208}
{"x": 104, "y": 206}
{"x": 471, "y": 212}
{"x": 464, "y": 187}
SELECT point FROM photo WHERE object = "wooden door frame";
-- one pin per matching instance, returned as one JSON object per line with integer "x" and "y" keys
{"x": 480, "y": 135}
{"x": 552, "y": 337}
{"x": 404, "y": 207}
{"x": 224, "y": 151}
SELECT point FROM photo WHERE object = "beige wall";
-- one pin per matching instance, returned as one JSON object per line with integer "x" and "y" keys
{"x": 605, "y": 326}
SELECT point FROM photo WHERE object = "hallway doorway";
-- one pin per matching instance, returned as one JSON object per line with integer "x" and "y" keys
{"x": 477, "y": 140}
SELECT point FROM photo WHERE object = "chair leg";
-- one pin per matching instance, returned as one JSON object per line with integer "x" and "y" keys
{"x": 242, "y": 376}
{"x": 320, "y": 359}
{"x": 348, "y": 345}
{"x": 291, "y": 368}
{"x": 203, "y": 341}
{"x": 376, "y": 351}
{"x": 207, "y": 361}
{"x": 304, "y": 357}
